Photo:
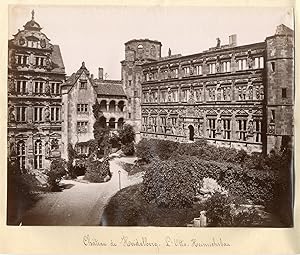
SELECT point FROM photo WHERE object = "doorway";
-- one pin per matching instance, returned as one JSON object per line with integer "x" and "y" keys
{"x": 191, "y": 132}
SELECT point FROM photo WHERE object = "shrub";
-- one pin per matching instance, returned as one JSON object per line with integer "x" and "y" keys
{"x": 149, "y": 149}
{"x": 169, "y": 184}
{"x": 128, "y": 149}
{"x": 114, "y": 140}
{"x": 55, "y": 174}
{"x": 221, "y": 212}
{"x": 20, "y": 196}
{"x": 97, "y": 171}
{"x": 126, "y": 134}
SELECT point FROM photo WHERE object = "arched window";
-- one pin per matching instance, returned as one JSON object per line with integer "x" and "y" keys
{"x": 112, "y": 106}
{"x": 112, "y": 122}
{"x": 121, "y": 106}
{"x": 38, "y": 155}
{"x": 120, "y": 122}
{"x": 21, "y": 153}
{"x": 103, "y": 105}
{"x": 102, "y": 121}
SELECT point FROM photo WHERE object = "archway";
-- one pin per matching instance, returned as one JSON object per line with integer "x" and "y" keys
{"x": 191, "y": 132}
{"x": 103, "y": 105}
{"x": 120, "y": 122}
{"x": 112, "y": 123}
{"x": 112, "y": 106}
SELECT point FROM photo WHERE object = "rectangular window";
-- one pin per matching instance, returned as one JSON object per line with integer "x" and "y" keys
{"x": 242, "y": 129}
{"x": 135, "y": 93}
{"x": 22, "y": 59}
{"x": 283, "y": 92}
{"x": 212, "y": 128}
{"x": 212, "y": 68}
{"x": 21, "y": 87}
{"x": 38, "y": 114}
{"x": 38, "y": 87}
{"x": 82, "y": 108}
{"x": 82, "y": 126}
{"x": 20, "y": 113}
{"x": 199, "y": 70}
{"x": 129, "y": 83}
{"x": 227, "y": 128}
{"x": 129, "y": 115}
{"x": 55, "y": 88}
{"x": 257, "y": 130}
{"x": 176, "y": 73}
{"x": 186, "y": 70}
{"x": 55, "y": 113}
{"x": 83, "y": 84}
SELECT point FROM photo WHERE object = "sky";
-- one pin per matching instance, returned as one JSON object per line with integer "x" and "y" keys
{"x": 96, "y": 35}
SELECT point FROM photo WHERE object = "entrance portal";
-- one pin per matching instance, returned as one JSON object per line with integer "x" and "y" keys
{"x": 191, "y": 132}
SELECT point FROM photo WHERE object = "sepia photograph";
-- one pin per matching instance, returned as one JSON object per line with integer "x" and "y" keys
{"x": 157, "y": 116}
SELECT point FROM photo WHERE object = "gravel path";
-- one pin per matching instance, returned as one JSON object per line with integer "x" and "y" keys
{"x": 79, "y": 204}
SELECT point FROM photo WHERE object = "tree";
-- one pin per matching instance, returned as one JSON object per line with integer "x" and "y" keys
{"x": 101, "y": 131}
{"x": 127, "y": 136}
{"x": 56, "y": 172}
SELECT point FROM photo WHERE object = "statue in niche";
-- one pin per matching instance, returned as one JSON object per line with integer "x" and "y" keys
{"x": 48, "y": 62}
{"x": 47, "y": 88}
{"x": 198, "y": 95}
{"x": 229, "y": 93}
{"x": 191, "y": 69}
{"x": 218, "y": 66}
{"x": 250, "y": 128}
{"x": 218, "y": 94}
{"x": 11, "y": 114}
{"x": 47, "y": 149}
{"x": 249, "y": 60}
{"x": 200, "y": 130}
{"x": 47, "y": 114}
{"x": 219, "y": 126}
{"x": 250, "y": 93}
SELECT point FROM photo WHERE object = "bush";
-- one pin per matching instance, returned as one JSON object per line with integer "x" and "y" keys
{"x": 55, "y": 174}
{"x": 128, "y": 149}
{"x": 20, "y": 196}
{"x": 97, "y": 171}
{"x": 169, "y": 184}
{"x": 149, "y": 149}
{"x": 126, "y": 134}
{"x": 221, "y": 212}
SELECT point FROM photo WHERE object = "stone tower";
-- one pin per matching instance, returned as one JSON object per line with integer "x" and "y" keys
{"x": 279, "y": 88}
{"x": 137, "y": 52}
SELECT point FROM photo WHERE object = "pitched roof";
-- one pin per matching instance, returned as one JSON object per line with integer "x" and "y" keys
{"x": 57, "y": 61}
{"x": 109, "y": 87}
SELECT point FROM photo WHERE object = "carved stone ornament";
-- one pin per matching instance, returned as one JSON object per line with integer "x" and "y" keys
{"x": 47, "y": 114}
{"x": 47, "y": 88}
{"x": 22, "y": 41}
{"x": 43, "y": 43}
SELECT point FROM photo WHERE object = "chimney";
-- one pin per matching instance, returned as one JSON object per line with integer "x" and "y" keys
{"x": 100, "y": 73}
{"x": 233, "y": 40}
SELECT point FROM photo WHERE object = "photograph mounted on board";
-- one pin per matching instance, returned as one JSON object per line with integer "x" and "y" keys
{"x": 108, "y": 127}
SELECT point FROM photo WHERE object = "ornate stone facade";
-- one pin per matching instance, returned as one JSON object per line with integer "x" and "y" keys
{"x": 233, "y": 96}
{"x": 35, "y": 74}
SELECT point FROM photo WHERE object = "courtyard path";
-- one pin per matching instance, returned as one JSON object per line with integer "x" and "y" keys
{"x": 79, "y": 204}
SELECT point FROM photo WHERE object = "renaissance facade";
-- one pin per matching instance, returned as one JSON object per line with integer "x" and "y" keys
{"x": 79, "y": 94}
{"x": 35, "y": 74}
{"x": 232, "y": 96}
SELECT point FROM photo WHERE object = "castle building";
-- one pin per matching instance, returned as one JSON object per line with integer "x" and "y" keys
{"x": 35, "y": 74}
{"x": 79, "y": 94}
{"x": 232, "y": 96}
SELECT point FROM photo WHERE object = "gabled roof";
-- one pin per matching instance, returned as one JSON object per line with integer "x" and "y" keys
{"x": 109, "y": 87}
{"x": 57, "y": 61}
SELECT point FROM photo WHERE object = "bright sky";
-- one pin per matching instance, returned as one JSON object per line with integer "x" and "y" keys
{"x": 97, "y": 35}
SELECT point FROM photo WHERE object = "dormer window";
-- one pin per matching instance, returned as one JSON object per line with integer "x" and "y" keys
{"x": 39, "y": 61}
